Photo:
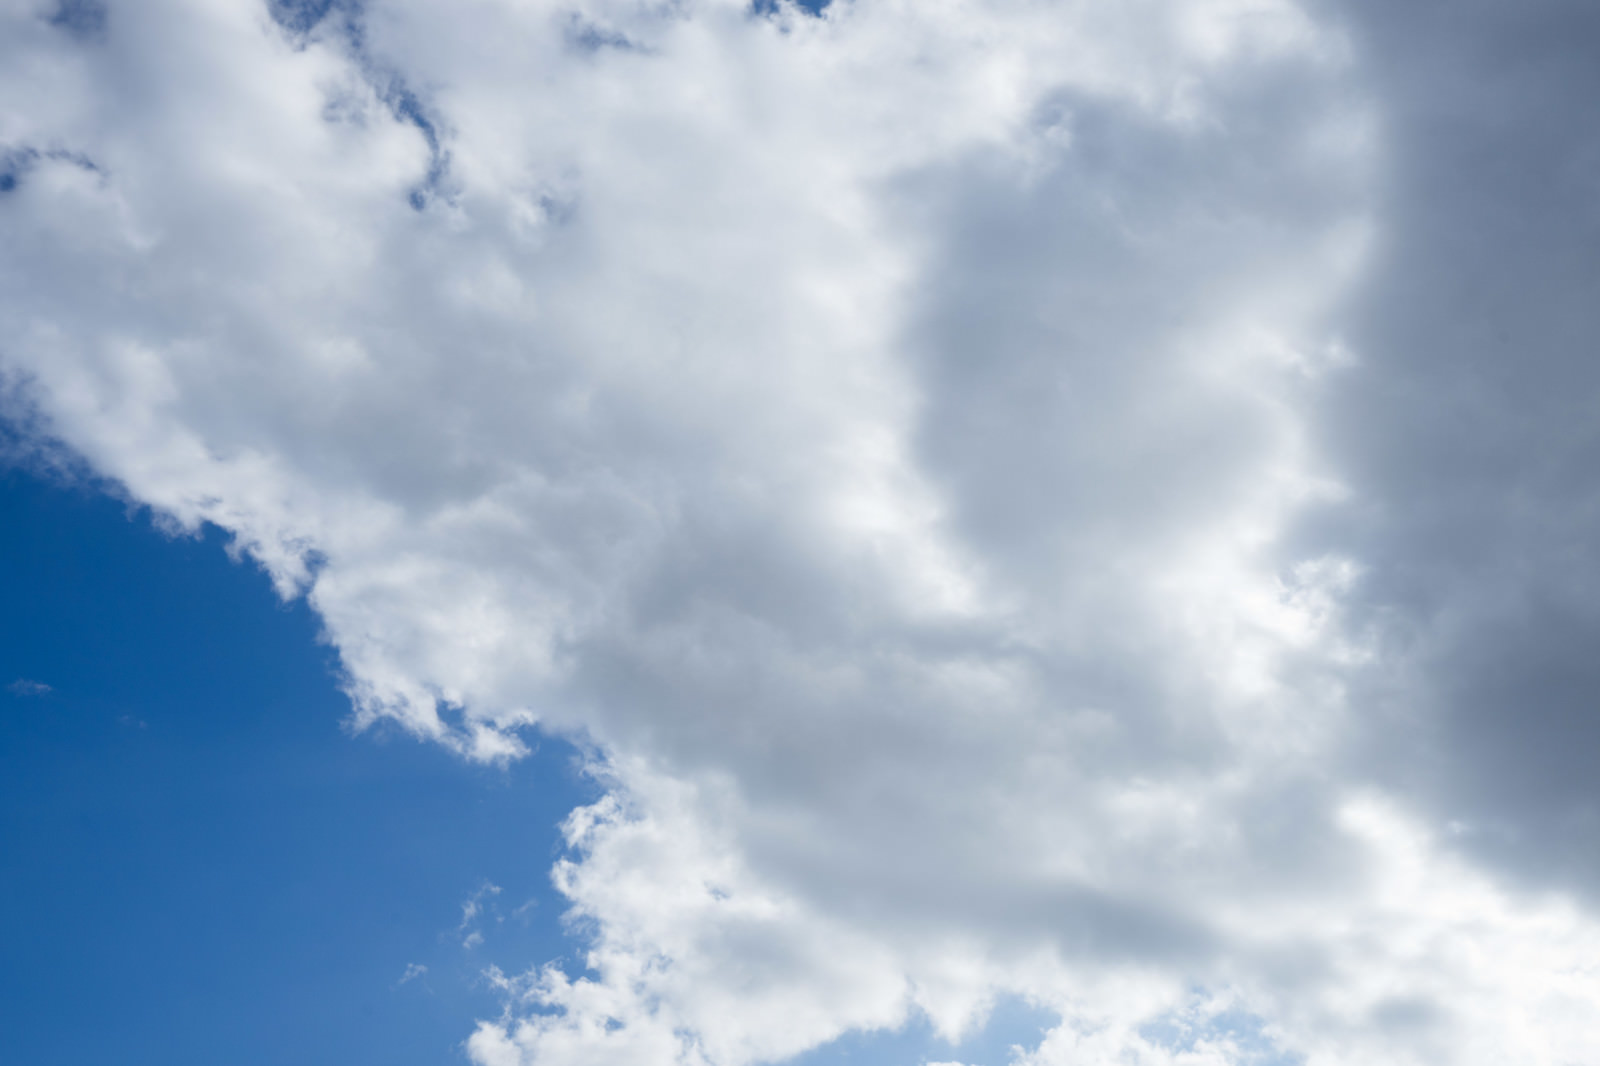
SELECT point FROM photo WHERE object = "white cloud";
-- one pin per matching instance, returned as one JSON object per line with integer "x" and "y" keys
{"x": 878, "y": 434}
{"x": 473, "y": 909}
{"x": 24, "y": 687}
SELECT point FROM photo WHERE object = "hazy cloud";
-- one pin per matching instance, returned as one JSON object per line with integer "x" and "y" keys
{"x": 472, "y": 911}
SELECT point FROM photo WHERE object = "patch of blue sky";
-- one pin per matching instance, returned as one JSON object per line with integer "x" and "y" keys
{"x": 302, "y": 17}
{"x": 586, "y": 36}
{"x": 17, "y": 162}
{"x": 197, "y": 863}
{"x": 408, "y": 108}
{"x": 1013, "y": 1023}
{"x": 1242, "y": 1034}
{"x": 84, "y": 19}
{"x": 810, "y": 7}
{"x": 14, "y": 163}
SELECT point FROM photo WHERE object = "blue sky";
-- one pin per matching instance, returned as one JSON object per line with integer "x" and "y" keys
{"x": 1062, "y": 532}
{"x": 199, "y": 863}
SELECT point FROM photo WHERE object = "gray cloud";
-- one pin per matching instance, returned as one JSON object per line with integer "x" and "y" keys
{"x": 1467, "y": 433}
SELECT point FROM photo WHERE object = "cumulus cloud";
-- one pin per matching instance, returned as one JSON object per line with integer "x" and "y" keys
{"x": 917, "y": 448}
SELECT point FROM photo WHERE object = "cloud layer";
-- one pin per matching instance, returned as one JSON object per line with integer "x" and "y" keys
{"x": 1020, "y": 498}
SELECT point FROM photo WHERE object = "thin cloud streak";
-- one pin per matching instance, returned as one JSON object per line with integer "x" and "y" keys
{"x": 24, "y": 687}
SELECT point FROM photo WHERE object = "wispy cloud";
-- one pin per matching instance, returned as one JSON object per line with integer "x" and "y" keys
{"x": 473, "y": 909}
{"x": 24, "y": 687}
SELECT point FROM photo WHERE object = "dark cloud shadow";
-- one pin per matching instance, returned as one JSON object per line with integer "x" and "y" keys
{"x": 1470, "y": 431}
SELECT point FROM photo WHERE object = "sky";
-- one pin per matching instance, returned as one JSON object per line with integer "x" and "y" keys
{"x": 994, "y": 532}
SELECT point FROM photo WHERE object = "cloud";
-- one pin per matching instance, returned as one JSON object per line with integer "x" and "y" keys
{"x": 918, "y": 449}
{"x": 23, "y": 687}
{"x": 1464, "y": 434}
{"x": 471, "y": 910}
{"x": 83, "y": 19}
{"x": 414, "y": 970}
